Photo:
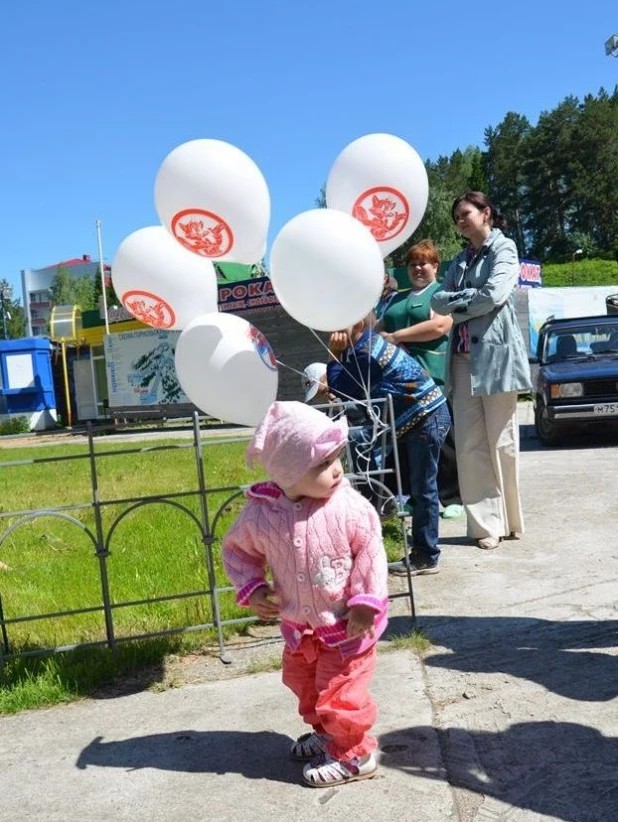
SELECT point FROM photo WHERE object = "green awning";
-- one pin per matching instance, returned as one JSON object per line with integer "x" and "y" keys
{"x": 232, "y": 272}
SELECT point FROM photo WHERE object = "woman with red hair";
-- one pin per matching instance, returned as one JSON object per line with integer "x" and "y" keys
{"x": 409, "y": 321}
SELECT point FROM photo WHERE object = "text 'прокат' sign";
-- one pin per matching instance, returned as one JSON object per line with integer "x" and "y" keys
{"x": 250, "y": 295}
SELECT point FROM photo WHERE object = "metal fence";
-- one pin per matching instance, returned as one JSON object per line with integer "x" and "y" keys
{"x": 207, "y": 523}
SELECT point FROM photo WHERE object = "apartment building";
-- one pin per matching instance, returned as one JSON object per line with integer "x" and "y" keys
{"x": 36, "y": 294}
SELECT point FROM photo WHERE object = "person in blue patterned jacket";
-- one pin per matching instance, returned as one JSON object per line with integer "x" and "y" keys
{"x": 362, "y": 362}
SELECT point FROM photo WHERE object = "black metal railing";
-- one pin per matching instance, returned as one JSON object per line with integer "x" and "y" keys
{"x": 207, "y": 522}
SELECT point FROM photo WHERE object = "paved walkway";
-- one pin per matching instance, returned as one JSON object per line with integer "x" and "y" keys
{"x": 511, "y": 716}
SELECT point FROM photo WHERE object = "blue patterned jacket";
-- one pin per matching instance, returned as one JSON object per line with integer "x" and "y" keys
{"x": 379, "y": 368}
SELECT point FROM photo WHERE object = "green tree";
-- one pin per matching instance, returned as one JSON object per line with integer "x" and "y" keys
{"x": 448, "y": 178}
{"x": 68, "y": 290}
{"x": 62, "y": 288}
{"x": 110, "y": 295}
{"x": 464, "y": 171}
{"x": 14, "y": 316}
{"x": 437, "y": 223}
{"x": 594, "y": 169}
{"x": 84, "y": 293}
{"x": 548, "y": 181}
{"x": 503, "y": 164}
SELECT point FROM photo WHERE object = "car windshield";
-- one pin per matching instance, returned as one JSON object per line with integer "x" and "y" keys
{"x": 586, "y": 340}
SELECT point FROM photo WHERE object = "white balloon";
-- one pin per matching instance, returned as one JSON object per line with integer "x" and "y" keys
{"x": 381, "y": 180}
{"x": 159, "y": 282}
{"x": 227, "y": 368}
{"x": 214, "y": 200}
{"x": 326, "y": 269}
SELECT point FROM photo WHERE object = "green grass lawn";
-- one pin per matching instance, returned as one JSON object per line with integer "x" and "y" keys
{"x": 155, "y": 551}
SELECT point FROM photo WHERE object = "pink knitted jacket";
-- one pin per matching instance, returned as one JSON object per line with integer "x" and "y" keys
{"x": 324, "y": 556}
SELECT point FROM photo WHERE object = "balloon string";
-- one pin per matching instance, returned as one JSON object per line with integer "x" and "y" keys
{"x": 367, "y": 402}
{"x": 364, "y": 385}
{"x": 378, "y": 425}
{"x": 347, "y": 371}
{"x": 302, "y": 374}
{"x": 365, "y": 450}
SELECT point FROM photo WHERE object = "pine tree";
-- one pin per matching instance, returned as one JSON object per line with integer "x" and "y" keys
{"x": 548, "y": 180}
{"x": 595, "y": 171}
{"x": 504, "y": 169}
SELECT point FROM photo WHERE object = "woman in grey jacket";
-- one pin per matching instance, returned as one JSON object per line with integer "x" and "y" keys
{"x": 487, "y": 365}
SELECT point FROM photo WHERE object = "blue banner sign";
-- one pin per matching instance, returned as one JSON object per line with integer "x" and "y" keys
{"x": 248, "y": 295}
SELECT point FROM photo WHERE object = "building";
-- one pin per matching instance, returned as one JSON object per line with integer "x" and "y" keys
{"x": 36, "y": 284}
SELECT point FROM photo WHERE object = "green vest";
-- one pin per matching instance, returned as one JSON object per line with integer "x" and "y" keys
{"x": 412, "y": 308}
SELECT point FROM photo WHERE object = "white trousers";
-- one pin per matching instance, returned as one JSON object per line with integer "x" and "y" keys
{"x": 487, "y": 446}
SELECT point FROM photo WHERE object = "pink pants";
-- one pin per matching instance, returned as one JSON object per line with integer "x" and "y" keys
{"x": 333, "y": 694}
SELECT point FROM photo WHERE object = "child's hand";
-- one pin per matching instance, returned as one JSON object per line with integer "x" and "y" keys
{"x": 360, "y": 621}
{"x": 264, "y": 603}
{"x": 338, "y": 342}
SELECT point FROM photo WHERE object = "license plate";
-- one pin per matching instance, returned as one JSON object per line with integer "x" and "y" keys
{"x": 608, "y": 409}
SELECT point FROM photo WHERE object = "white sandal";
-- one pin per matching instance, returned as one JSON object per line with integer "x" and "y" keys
{"x": 326, "y": 771}
{"x": 307, "y": 747}
{"x": 488, "y": 543}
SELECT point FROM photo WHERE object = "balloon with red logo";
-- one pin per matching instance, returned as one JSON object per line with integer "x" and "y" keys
{"x": 381, "y": 181}
{"x": 227, "y": 368}
{"x": 326, "y": 269}
{"x": 214, "y": 200}
{"x": 159, "y": 282}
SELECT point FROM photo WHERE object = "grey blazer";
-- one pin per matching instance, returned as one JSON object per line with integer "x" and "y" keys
{"x": 483, "y": 294}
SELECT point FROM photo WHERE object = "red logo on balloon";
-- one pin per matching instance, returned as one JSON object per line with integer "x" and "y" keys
{"x": 385, "y": 212}
{"x": 202, "y": 232}
{"x": 149, "y": 309}
{"x": 262, "y": 346}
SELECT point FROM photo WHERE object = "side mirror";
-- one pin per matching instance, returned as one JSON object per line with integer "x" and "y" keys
{"x": 533, "y": 360}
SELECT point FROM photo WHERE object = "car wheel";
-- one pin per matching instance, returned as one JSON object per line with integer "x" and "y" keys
{"x": 545, "y": 429}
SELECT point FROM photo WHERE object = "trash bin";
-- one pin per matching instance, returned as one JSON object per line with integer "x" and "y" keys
{"x": 611, "y": 304}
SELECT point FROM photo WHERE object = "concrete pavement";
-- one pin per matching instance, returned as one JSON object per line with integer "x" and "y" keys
{"x": 510, "y": 716}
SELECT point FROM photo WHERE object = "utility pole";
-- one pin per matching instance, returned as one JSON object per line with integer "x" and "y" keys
{"x": 102, "y": 274}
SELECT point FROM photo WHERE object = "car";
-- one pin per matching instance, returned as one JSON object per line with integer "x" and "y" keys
{"x": 577, "y": 381}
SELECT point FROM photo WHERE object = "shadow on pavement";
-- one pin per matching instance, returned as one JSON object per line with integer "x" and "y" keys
{"x": 564, "y": 657}
{"x": 462, "y": 540}
{"x": 260, "y": 755}
{"x": 559, "y": 769}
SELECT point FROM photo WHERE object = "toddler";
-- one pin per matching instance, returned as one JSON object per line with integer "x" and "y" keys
{"x": 322, "y": 542}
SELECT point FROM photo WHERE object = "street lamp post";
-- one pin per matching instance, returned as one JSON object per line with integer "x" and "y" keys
{"x": 577, "y": 253}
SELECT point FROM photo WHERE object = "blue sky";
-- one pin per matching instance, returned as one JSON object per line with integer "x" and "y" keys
{"x": 93, "y": 96}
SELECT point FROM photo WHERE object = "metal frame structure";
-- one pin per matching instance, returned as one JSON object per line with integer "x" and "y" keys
{"x": 101, "y": 538}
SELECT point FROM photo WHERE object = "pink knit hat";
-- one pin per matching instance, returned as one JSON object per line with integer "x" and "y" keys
{"x": 292, "y": 438}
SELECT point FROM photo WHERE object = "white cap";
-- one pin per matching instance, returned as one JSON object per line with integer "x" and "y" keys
{"x": 311, "y": 378}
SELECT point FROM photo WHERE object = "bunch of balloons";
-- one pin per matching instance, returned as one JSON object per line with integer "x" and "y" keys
{"x": 213, "y": 203}
{"x": 326, "y": 264}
